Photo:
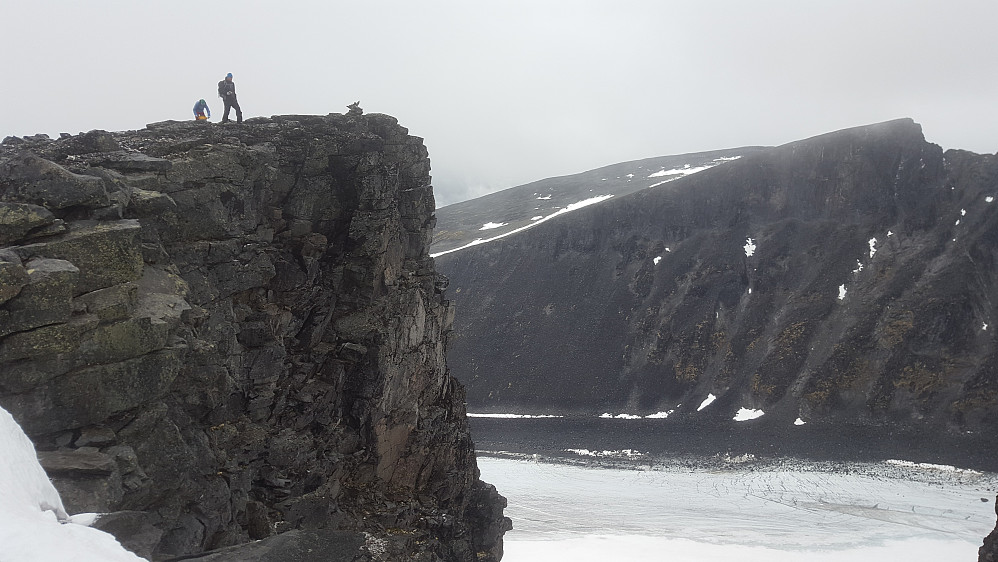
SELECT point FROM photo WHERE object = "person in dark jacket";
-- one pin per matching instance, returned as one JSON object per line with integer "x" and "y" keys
{"x": 227, "y": 91}
{"x": 199, "y": 110}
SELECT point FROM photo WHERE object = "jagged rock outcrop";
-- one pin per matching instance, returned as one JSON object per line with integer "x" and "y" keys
{"x": 845, "y": 279}
{"x": 989, "y": 550}
{"x": 226, "y": 333}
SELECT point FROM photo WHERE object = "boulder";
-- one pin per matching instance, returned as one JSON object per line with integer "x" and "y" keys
{"x": 135, "y": 530}
{"x": 30, "y": 179}
{"x": 116, "y": 302}
{"x": 87, "y": 143}
{"x": 45, "y": 299}
{"x": 132, "y": 162}
{"x": 47, "y": 341}
{"x": 106, "y": 253}
{"x": 12, "y": 276}
{"x": 146, "y": 203}
{"x": 87, "y": 480}
{"x": 17, "y": 219}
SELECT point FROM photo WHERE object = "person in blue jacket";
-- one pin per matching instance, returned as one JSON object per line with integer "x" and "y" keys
{"x": 200, "y": 108}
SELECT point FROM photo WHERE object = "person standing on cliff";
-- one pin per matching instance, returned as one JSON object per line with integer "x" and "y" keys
{"x": 227, "y": 91}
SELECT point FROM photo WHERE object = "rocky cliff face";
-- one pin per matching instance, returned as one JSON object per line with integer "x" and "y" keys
{"x": 989, "y": 550}
{"x": 225, "y": 333}
{"x": 847, "y": 278}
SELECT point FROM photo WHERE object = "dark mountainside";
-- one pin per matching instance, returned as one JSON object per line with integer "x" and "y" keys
{"x": 648, "y": 302}
{"x": 230, "y": 333}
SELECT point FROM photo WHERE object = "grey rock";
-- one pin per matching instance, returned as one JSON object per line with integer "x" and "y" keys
{"x": 96, "y": 436}
{"x": 47, "y": 341}
{"x": 107, "y": 253}
{"x": 135, "y": 530}
{"x": 86, "y": 460}
{"x": 45, "y": 299}
{"x": 87, "y": 143}
{"x": 145, "y": 203}
{"x": 295, "y": 546}
{"x": 17, "y": 219}
{"x": 87, "y": 480}
{"x": 30, "y": 179}
{"x": 116, "y": 302}
{"x": 132, "y": 161}
{"x": 13, "y": 277}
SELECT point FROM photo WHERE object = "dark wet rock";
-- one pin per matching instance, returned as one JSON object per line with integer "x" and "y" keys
{"x": 135, "y": 530}
{"x": 302, "y": 546}
{"x": 240, "y": 336}
{"x": 91, "y": 479}
{"x": 87, "y": 143}
{"x": 989, "y": 550}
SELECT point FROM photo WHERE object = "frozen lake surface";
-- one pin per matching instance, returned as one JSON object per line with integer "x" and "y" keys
{"x": 742, "y": 509}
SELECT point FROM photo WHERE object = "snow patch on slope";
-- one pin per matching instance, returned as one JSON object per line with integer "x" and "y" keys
{"x": 707, "y": 401}
{"x": 745, "y": 414}
{"x": 568, "y": 209}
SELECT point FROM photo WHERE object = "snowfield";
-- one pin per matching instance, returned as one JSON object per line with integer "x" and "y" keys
{"x": 743, "y": 509}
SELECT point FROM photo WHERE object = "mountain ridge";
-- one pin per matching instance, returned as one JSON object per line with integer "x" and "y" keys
{"x": 459, "y": 224}
{"x": 615, "y": 289}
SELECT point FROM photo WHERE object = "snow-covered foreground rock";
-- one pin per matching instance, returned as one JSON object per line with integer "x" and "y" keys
{"x": 34, "y": 526}
{"x": 870, "y": 511}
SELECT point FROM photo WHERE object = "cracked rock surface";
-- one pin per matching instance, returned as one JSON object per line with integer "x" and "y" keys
{"x": 230, "y": 333}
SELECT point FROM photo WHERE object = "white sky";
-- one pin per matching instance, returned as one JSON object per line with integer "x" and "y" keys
{"x": 510, "y": 92}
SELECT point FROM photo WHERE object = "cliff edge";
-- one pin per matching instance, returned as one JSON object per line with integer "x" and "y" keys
{"x": 221, "y": 334}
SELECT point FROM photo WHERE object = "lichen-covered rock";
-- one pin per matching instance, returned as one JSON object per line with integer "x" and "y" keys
{"x": 243, "y": 326}
{"x": 106, "y": 252}
{"x": 45, "y": 299}
{"x": 13, "y": 277}
{"x": 18, "y": 219}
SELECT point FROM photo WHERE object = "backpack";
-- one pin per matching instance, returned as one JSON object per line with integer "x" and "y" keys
{"x": 221, "y": 89}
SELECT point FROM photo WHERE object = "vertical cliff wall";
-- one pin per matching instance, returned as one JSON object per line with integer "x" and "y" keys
{"x": 231, "y": 332}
